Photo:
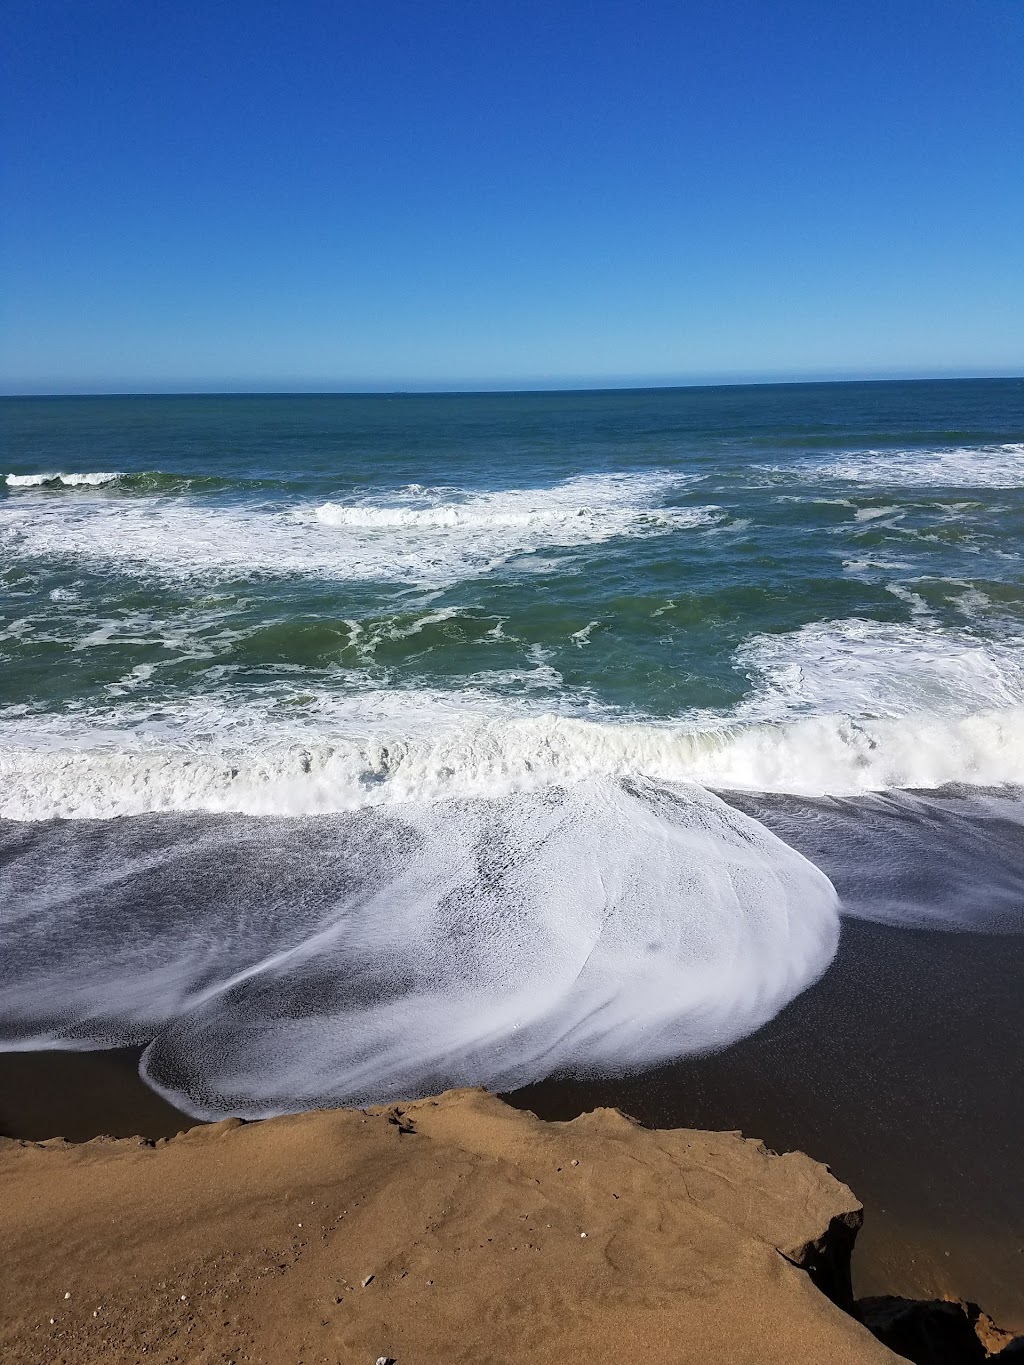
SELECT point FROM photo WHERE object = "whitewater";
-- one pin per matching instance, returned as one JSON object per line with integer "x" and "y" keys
{"x": 554, "y": 732}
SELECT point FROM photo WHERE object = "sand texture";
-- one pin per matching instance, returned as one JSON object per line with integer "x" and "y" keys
{"x": 447, "y": 1230}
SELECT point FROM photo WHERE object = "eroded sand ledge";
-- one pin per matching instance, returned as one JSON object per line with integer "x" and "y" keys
{"x": 445, "y": 1230}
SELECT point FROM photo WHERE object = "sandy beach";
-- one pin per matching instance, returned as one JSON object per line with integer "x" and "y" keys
{"x": 218, "y": 1218}
{"x": 456, "y": 1229}
{"x": 855, "y": 1072}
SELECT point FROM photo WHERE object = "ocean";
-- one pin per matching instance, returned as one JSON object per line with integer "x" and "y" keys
{"x": 353, "y": 747}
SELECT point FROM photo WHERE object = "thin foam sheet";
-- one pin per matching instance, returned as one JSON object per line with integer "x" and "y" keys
{"x": 605, "y": 925}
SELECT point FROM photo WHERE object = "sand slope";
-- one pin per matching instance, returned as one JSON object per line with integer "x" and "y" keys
{"x": 242, "y": 1243}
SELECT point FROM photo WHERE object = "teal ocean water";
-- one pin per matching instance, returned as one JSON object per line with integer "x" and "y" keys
{"x": 351, "y": 746}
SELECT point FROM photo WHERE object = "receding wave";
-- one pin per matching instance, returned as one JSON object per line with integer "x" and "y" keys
{"x": 606, "y": 926}
{"x": 948, "y": 859}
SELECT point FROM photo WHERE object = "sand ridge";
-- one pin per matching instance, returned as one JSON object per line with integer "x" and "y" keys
{"x": 453, "y": 1229}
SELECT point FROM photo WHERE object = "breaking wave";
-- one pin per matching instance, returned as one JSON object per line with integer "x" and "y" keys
{"x": 417, "y": 535}
{"x": 989, "y": 466}
{"x": 149, "y": 481}
{"x": 835, "y": 709}
{"x": 100, "y": 774}
{"x": 61, "y": 480}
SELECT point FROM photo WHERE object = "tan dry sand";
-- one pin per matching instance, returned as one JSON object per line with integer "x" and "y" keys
{"x": 449, "y": 1230}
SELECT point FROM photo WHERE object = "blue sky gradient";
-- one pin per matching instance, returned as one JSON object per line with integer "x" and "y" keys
{"x": 329, "y": 195}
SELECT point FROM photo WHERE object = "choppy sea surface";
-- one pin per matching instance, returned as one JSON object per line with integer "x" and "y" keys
{"x": 353, "y": 747}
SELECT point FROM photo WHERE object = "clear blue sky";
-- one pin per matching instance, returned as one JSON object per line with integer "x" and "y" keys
{"x": 209, "y": 194}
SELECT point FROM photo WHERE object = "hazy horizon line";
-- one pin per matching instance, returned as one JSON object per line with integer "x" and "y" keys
{"x": 370, "y": 388}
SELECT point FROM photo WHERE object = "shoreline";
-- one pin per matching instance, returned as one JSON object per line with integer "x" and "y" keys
{"x": 900, "y": 1069}
{"x": 893, "y": 1069}
{"x": 456, "y": 1228}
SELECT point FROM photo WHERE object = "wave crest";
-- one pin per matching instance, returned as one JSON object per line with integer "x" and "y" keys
{"x": 836, "y": 708}
{"x": 96, "y": 775}
{"x": 99, "y": 480}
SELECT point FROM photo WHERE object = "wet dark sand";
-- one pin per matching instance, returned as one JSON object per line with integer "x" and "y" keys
{"x": 79, "y": 1095}
{"x": 901, "y": 1069}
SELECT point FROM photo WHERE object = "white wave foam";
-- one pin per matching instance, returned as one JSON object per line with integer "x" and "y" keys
{"x": 871, "y": 669}
{"x": 988, "y": 466}
{"x": 837, "y": 708}
{"x": 438, "y": 529}
{"x": 603, "y": 927}
{"x": 917, "y": 604}
{"x": 63, "y": 480}
{"x": 423, "y": 536}
{"x": 96, "y": 775}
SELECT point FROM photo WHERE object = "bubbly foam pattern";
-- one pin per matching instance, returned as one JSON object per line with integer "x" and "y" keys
{"x": 874, "y": 669}
{"x": 605, "y": 926}
{"x": 836, "y": 708}
{"x": 420, "y": 535}
{"x": 87, "y": 779}
{"x": 991, "y": 466}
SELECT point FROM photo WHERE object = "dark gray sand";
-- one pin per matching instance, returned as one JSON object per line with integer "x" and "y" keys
{"x": 80, "y": 1095}
{"x": 901, "y": 1069}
